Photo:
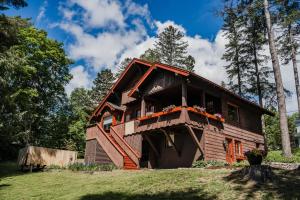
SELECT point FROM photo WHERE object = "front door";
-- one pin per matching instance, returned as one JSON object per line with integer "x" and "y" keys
{"x": 229, "y": 151}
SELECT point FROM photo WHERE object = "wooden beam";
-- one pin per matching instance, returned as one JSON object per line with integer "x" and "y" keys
{"x": 183, "y": 94}
{"x": 152, "y": 145}
{"x": 171, "y": 141}
{"x": 137, "y": 85}
{"x": 195, "y": 139}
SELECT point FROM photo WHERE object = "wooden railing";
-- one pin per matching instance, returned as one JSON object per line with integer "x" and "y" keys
{"x": 178, "y": 109}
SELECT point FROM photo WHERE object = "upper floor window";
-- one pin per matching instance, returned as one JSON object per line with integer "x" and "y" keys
{"x": 233, "y": 113}
{"x": 212, "y": 104}
{"x": 107, "y": 122}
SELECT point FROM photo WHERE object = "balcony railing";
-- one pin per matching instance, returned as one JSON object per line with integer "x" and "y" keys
{"x": 179, "y": 109}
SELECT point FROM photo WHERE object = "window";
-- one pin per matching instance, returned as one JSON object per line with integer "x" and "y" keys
{"x": 233, "y": 113}
{"x": 168, "y": 142}
{"x": 212, "y": 104}
{"x": 107, "y": 121}
{"x": 238, "y": 148}
{"x": 127, "y": 117}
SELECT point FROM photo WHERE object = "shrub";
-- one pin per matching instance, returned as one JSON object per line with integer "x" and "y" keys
{"x": 209, "y": 163}
{"x": 55, "y": 167}
{"x": 276, "y": 156}
{"x": 243, "y": 163}
{"x": 91, "y": 167}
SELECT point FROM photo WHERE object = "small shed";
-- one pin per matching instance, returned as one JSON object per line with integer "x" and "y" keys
{"x": 39, "y": 157}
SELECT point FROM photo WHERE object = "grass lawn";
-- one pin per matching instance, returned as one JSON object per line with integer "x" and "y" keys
{"x": 143, "y": 184}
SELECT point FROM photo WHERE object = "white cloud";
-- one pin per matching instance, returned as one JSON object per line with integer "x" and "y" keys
{"x": 162, "y": 25}
{"x": 81, "y": 78}
{"x": 100, "y": 13}
{"x": 42, "y": 11}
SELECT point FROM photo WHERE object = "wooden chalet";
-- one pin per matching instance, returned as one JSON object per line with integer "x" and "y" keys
{"x": 160, "y": 116}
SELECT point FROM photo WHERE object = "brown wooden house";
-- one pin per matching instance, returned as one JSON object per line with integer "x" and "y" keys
{"x": 159, "y": 116}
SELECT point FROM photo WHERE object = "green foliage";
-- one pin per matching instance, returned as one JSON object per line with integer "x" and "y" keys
{"x": 150, "y": 55}
{"x": 171, "y": 49}
{"x": 122, "y": 67}
{"x": 91, "y": 167}
{"x": 272, "y": 129}
{"x": 102, "y": 84}
{"x": 277, "y": 156}
{"x": 209, "y": 163}
{"x": 5, "y": 4}
{"x": 33, "y": 73}
{"x": 243, "y": 163}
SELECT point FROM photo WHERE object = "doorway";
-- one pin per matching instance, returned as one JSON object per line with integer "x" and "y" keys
{"x": 229, "y": 150}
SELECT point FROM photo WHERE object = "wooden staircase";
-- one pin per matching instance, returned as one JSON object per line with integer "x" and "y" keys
{"x": 128, "y": 163}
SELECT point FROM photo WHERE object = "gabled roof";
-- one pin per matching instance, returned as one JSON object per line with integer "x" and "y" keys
{"x": 176, "y": 70}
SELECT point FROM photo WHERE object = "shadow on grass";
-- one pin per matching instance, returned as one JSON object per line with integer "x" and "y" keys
{"x": 284, "y": 185}
{"x": 9, "y": 169}
{"x": 186, "y": 195}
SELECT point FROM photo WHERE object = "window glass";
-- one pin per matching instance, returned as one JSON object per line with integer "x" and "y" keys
{"x": 238, "y": 148}
{"x": 213, "y": 104}
{"x": 107, "y": 121}
{"x": 138, "y": 113}
{"x": 233, "y": 114}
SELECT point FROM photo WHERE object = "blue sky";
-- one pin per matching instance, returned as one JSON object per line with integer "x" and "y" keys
{"x": 99, "y": 34}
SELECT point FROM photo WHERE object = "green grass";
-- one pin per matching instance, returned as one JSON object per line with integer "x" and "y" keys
{"x": 276, "y": 156}
{"x": 142, "y": 184}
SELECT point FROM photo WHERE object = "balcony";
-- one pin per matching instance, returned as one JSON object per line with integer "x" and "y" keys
{"x": 172, "y": 117}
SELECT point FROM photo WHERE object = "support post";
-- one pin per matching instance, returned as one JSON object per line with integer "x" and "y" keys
{"x": 195, "y": 139}
{"x": 143, "y": 107}
{"x": 183, "y": 94}
{"x": 171, "y": 141}
{"x": 152, "y": 145}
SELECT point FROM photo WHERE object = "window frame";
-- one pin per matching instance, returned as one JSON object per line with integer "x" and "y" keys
{"x": 238, "y": 112}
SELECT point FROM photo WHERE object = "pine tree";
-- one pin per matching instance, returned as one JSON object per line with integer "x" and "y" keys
{"x": 122, "y": 67}
{"x": 150, "y": 55}
{"x": 289, "y": 17}
{"x": 172, "y": 49}
{"x": 233, "y": 28}
{"x": 286, "y": 145}
{"x": 102, "y": 85}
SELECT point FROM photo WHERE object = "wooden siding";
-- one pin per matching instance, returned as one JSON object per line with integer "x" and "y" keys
{"x": 214, "y": 146}
{"x": 135, "y": 141}
{"x": 113, "y": 153}
{"x": 94, "y": 153}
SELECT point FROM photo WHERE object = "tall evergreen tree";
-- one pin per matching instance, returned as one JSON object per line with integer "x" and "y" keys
{"x": 289, "y": 20}
{"x": 172, "y": 49}
{"x": 150, "y": 55}
{"x": 234, "y": 55}
{"x": 122, "y": 67}
{"x": 286, "y": 145}
{"x": 102, "y": 84}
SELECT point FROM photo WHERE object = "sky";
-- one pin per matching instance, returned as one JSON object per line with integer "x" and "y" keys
{"x": 99, "y": 34}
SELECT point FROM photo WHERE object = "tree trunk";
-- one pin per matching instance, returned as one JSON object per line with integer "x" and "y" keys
{"x": 286, "y": 145}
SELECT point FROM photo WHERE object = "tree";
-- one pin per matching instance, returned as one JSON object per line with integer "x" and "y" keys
{"x": 289, "y": 16}
{"x": 33, "y": 72}
{"x": 5, "y": 4}
{"x": 235, "y": 69}
{"x": 122, "y": 67}
{"x": 286, "y": 146}
{"x": 102, "y": 85}
{"x": 272, "y": 129}
{"x": 171, "y": 49}
{"x": 81, "y": 108}
{"x": 150, "y": 55}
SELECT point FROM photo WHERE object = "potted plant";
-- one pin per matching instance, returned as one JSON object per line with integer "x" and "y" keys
{"x": 168, "y": 108}
{"x": 199, "y": 109}
{"x": 255, "y": 156}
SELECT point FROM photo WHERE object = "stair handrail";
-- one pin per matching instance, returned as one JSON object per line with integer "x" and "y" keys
{"x": 130, "y": 148}
{"x": 109, "y": 139}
